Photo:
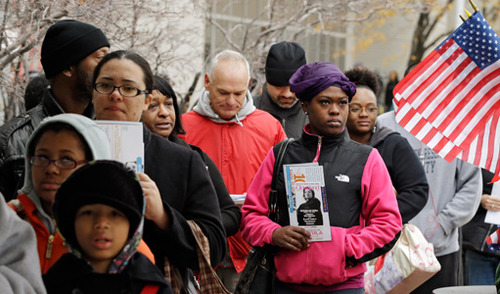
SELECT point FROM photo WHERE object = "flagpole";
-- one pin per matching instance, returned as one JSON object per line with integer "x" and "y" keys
{"x": 473, "y": 5}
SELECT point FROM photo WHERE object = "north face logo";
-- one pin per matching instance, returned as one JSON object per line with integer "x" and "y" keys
{"x": 342, "y": 178}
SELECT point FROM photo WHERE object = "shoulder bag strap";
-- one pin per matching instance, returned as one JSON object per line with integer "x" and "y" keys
{"x": 273, "y": 195}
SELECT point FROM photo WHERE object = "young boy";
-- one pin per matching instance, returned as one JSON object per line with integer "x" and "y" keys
{"x": 99, "y": 211}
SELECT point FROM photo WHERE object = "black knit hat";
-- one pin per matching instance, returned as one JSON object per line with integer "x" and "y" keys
{"x": 283, "y": 60}
{"x": 68, "y": 42}
{"x": 101, "y": 181}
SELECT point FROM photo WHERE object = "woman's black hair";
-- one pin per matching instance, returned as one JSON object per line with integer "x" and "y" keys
{"x": 58, "y": 127}
{"x": 164, "y": 87}
{"x": 132, "y": 56}
{"x": 364, "y": 78}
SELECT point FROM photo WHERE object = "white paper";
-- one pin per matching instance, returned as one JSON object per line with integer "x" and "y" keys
{"x": 238, "y": 199}
{"x": 493, "y": 217}
{"x": 126, "y": 140}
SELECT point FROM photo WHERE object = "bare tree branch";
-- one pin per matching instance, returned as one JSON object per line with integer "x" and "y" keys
{"x": 432, "y": 43}
{"x": 430, "y": 28}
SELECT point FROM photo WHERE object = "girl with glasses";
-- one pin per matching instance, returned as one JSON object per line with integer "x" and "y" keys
{"x": 59, "y": 146}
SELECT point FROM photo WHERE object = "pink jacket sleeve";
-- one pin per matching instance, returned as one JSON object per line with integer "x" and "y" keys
{"x": 256, "y": 227}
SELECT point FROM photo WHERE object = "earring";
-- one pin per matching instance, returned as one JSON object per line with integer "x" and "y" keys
{"x": 374, "y": 129}
{"x": 305, "y": 112}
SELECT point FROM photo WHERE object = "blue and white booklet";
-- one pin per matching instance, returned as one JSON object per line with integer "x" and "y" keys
{"x": 306, "y": 198}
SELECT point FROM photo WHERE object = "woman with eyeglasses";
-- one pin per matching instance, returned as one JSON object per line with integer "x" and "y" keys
{"x": 175, "y": 181}
{"x": 59, "y": 146}
{"x": 406, "y": 170}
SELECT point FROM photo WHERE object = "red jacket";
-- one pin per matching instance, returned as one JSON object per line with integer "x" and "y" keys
{"x": 237, "y": 150}
{"x": 51, "y": 246}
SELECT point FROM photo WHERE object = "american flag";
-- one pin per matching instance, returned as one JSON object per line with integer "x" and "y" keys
{"x": 451, "y": 100}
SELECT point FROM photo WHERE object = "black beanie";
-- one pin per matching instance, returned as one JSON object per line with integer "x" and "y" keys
{"x": 68, "y": 42}
{"x": 98, "y": 182}
{"x": 283, "y": 60}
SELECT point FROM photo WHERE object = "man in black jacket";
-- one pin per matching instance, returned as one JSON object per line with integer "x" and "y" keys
{"x": 70, "y": 52}
{"x": 282, "y": 62}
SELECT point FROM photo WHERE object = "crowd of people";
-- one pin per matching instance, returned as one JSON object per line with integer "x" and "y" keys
{"x": 74, "y": 220}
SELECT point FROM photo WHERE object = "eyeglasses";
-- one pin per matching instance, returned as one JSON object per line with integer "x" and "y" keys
{"x": 370, "y": 109}
{"x": 125, "y": 90}
{"x": 62, "y": 163}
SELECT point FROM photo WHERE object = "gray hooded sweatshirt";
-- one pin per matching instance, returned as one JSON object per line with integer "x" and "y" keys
{"x": 454, "y": 193}
{"x": 93, "y": 135}
{"x": 203, "y": 108}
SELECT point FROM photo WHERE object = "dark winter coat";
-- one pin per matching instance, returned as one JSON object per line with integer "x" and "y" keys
{"x": 14, "y": 137}
{"x": 406, "y": 171}
{"x": 230, "y": 213}
{"x": 188, "y": 194}
{"x": 73, "y": 275}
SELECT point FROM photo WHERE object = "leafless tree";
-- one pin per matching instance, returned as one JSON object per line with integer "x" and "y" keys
{"x": 278, "y": 20}
{"x": 491, "y": 11}
{"x": 23, "y": 25}
{"x": 170, "y": 34}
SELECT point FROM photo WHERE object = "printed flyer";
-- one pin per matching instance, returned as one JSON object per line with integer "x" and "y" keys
{"x": 306, "y": 197}
{"x": 126, "y": 142}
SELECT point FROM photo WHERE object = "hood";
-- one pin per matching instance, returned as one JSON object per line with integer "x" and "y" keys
{"x": 120, "y": 262}
{"x": 380, "y": 134}
{"x": 203, "y": 108}
{"x": 105, "y": 182}
{"x": 93, "y": 135}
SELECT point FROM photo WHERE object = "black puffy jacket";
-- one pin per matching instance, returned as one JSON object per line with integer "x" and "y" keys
{"x": 230, "y": 213}
{"x": 14, "y": 136}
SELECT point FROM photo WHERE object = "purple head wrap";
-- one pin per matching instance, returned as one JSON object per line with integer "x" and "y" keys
{"x": 310, "y": 79}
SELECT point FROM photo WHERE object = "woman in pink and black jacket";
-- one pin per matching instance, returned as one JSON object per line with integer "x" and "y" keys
{"x": 364, "y": 216}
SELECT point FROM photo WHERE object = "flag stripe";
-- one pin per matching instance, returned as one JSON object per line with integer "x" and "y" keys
{"x": 447, "y": 97}
{"x": 437, "y": 100}
{"x": 472, "y": 86}
{"x": 474, "y": 118}
{"x": 435, "y": 74}
{"x": 411, "y": 78}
